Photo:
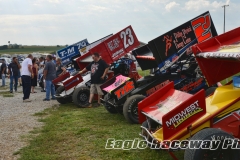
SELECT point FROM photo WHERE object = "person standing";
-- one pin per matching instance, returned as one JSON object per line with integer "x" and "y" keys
{"x": 27, "y": 75}
{"x": 3, "y": 72}
{"x": 13, "y": 71}
{"x": 60, "y": 69}
{"x": 40, "y": 74}
{"x": 54, "y": 59}
{"x": 99, "y": 69}
{"x": 49, "y": 74}
{"x": 19, "y": 78}
{"x": 35, "y": 73}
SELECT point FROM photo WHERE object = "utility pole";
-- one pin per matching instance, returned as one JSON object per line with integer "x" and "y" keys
{"x": 224, "y": 6}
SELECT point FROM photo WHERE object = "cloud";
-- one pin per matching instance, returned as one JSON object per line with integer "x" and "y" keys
{"x": 171, "y": 5}
{"x": 202, "y": 4}
{"x": 98, "y": 8}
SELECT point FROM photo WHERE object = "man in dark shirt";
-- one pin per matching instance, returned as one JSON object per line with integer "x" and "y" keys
{"x": 3, "y": 72}
{"x": 49, "y": 74}
{"x": 99, "y": 69}
{"x": 13, "y": 71}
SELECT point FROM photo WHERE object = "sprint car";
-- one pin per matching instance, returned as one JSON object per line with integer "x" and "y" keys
{"x": 75, "y": 87}
{"x": 170, "y": 58}
{"x": 170, "y": 115}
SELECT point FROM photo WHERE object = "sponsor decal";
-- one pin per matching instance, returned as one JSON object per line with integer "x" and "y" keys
{"x": 119, "y": 52}
{"x": 192, "y": 85}
{"x": 157, "y": 87}
{"x": 168, "y": 40}
{"x": 128, "y": 87}
{"x": 183, "y": 115}
{"x": 181, "y": 39}
{"x": 112, "y": 45}
{"x": 118, "y": 82}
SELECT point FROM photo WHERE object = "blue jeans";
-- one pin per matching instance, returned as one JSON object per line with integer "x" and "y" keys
{"x": 50, "y": 88}
{"x": 26, "y": 84}
{"x": 3, "y": 79}
{"x": 15, "y": 78}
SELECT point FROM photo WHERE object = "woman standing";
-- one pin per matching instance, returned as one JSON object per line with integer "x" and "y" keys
{"x": 35, "y": 72}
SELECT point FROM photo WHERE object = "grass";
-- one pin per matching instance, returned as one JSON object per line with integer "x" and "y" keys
{"x": 144, "y": 73}
{"x": 31, "y": 49}
{"x": 6, "y": 94}
{"x": 3, "y": 88}
{"x": 81, "y": 133}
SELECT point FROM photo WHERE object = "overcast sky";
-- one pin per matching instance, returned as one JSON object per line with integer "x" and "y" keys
{"x": 52, "y": 22}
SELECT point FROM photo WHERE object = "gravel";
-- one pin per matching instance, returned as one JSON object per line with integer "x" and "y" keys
{"x": 16, "y": 120}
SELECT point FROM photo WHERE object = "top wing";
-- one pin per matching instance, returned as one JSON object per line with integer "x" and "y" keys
{"x": 218, "y": 57}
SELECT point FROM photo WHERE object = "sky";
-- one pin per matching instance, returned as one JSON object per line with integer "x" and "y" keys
{"x": 61, "y": 22}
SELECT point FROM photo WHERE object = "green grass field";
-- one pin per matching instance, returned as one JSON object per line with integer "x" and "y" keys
{"x": 81, "y": 133}
{"x": 31, "y": 49}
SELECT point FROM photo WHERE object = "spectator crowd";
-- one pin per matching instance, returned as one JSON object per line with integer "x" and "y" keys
{"x": 31, "y": 72}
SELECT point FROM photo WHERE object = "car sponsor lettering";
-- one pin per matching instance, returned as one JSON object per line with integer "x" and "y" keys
{"x": 157, "y": 87}
{"x": 183, "y": 115}
{"x": 128, "y": 87}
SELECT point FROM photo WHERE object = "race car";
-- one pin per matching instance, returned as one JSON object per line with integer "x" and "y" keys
{"x": 170, "y": 58}
{"x": 206, "y": 128}
{"x": 76, "y": 87}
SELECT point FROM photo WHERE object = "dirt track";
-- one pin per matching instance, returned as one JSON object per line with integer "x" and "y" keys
{"x": 16, "y": 120}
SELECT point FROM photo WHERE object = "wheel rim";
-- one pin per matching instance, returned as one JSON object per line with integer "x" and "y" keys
{"x": 83, "y": 97}
{"x": 134, "y": 111}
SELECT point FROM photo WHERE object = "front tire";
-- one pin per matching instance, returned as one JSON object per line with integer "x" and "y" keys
{"x": 130, "y": 108}
{"x": 63, "y": 100}
{"x": 219, "y": 153}
{"x": 81, "y": 96}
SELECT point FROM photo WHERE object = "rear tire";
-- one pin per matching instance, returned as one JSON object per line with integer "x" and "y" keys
{"x": 130, "y": 108}
{"x": 219, "y": 153}
{"x": 108, "y": 107}
{"x": 63, "y": 100}
{"x": 81, "y": 96}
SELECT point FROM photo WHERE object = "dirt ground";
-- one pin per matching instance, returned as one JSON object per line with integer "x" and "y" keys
{"x": 16, "y": 120}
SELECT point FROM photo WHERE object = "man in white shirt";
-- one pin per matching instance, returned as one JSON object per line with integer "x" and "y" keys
{"x": 27, "y": 75}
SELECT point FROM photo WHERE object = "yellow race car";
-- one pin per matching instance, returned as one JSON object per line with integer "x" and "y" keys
{"x": 206, "y": 128}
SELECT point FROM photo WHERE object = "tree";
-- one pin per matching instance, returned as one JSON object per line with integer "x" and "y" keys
{"x": 3, "y": 47}
{"x": 58, "y": 46}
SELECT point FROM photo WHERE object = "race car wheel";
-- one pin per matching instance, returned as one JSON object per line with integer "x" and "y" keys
{"x": 108, "y": 107}
{"x": 210, "y": 91}
{"x": 211, "y": 134}
{"x": 81, "y": 96}
{"x": 63, "y": 100}
{"x": 130, "y": 108}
